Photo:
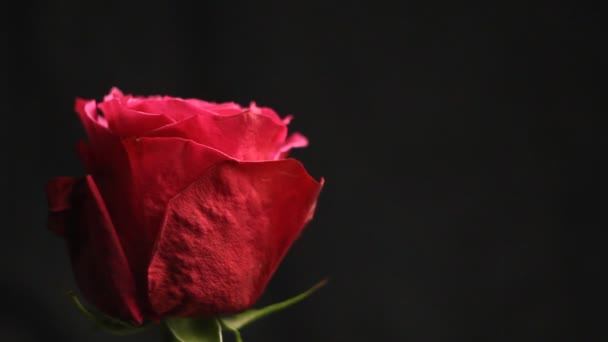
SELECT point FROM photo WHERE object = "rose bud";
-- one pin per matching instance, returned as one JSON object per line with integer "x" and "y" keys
{"x": 187, "y": 209}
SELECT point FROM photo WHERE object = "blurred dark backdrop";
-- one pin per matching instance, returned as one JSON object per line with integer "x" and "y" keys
{"x": 460, "y": 147}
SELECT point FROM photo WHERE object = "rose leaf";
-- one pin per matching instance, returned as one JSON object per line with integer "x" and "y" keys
{"x": 235, "y": 322}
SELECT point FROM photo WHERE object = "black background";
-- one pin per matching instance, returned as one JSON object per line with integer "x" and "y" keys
{"x": 460, "y": 146}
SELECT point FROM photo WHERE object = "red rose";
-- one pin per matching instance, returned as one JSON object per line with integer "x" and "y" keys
{"x": 188, "y": 208}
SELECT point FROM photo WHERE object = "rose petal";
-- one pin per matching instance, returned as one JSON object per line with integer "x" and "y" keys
{"x": 59, "y": 192}
{"x": 160, "y": 168}
{"x": 106, "y": 159}
{"x": 175, "y": 108}
{"x": 226, "y": 108}
{"x": 114, "y": 93}
{"x": 100, "y": 266}
{"x": 104, "y": 156}
{"x": 86, "y": 110}
{"x": 225, "y": 235}
{"x": 296, "y": 140}
{"x": 269, "y": 113}
{"x": 245, "y": 136}
{"x": 126, "y": 122}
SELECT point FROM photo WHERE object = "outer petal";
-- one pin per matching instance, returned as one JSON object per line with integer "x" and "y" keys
{"x": 224, "y": 236}
{"x": 100, "y": 266}
{"x": 245, "y": 136}
{"x": 59, "y": 195}
{"x": 106, "y": 159}
{"x": 160, "y": 169}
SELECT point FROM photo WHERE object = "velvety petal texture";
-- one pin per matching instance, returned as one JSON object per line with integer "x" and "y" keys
{"x": 159, "y": 169}
{"x": 188, "y": 208}
{"x": 228, "y": 230}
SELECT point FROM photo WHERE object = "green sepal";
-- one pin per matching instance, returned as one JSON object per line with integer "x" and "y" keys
{"x": 195, "y": 329}
{"x": 105, "y": 322}
{"x": 235, "y": 322}
{"x": 237, "y": 334}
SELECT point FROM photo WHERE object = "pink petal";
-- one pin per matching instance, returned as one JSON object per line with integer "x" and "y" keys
{"x": 267, "y": 112}
{"x": 226, "y": 108}
{"x": 245, "y": 136}
{"x": 174, "y": 108}
{"x": 296, "y": 140}
{"x": 224, "y": 236}
{"x": 86, "y": 110}
{"x": 114, "y": 93}
{"x": 126, "y": 122}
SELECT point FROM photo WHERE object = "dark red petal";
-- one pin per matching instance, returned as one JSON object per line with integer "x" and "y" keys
{"x": 106, "y": 159}
{"x": 245, "y": 136}
{"x": 59, "y": 192}
{"x": 160, "y": 168}
{"x": 59, "y": 195}
{"x": 224, "y": 236}
{"x": 100, "y": 266}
